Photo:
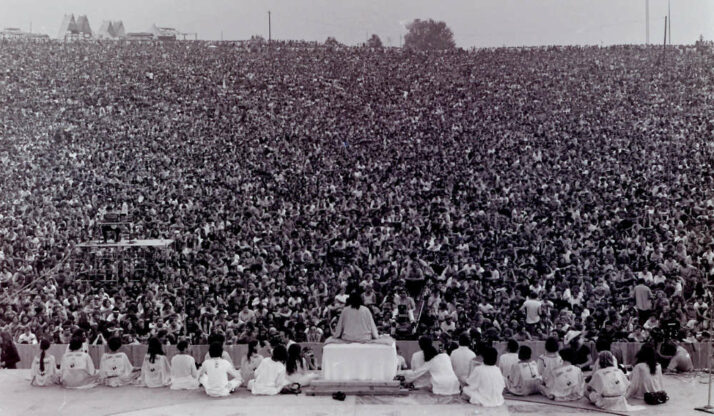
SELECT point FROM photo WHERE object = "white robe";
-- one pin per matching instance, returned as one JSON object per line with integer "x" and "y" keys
{"x": 506, "y": 361}
{"x": 184, "y": 375}
{"x": 115, "y": 370}
{"x": 461, "y": 362}
{"x": 443, "y": 378}
{"x": 607, "y": 389}
{"x": 214, "y": 377}
{"x": 156, "y": 374}
{"x": 641, "y": 381}
{"x": 564, "y": 384}
{"x": 485, "y": 385}
{"x": 548, "y": 362}
{"x": 247, "y": 367}
{"x": 417, "y": 362}
{"x": 225, "y": 356}
{"x": 47, "y": 377}
{"x": 523, "y": 378}
{"x": 78, "y": 371}
{"x": 270, "y": 378}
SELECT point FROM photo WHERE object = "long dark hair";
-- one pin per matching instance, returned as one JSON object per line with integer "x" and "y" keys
{"x": 154, "y": 349}
{"x": 44, "y": 346}
{"x": 354, "y": 300}
{"x": 294, "y": 358}
{"x": 647, "y": 355}
{"x": 252, "y": 348}
{"x": 430, "y": 352}
{"x": 280, "y": 354}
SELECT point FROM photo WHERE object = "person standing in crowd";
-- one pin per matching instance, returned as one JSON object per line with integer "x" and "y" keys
{"x": 9, "y": 356}
{"x": 522, "y": 378}
{"x": 184, "y": 375}
{"x": 643, "y": 301}
{"x": 484, "y": 386}
{"x": 215, "y": 371}
{"x": 564, "y": 383}
{"x": 532, "y": 306}
{"x": 155, "y": 371}
{"x": 77, "y": 369}
{"x": 115, "y": 369}
{"x": 462, "y": 357}
{"x": 44, "y": 369}
{"x": 271, "y": 374}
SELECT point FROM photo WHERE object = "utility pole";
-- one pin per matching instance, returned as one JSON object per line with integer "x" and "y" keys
{"x": 647, "y": 19}
{"x": 664, "y": 46}
{"x": 30, "y": 26}
{"x": 270, "y": 34}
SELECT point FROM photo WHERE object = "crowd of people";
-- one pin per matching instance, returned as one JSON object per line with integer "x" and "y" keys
{"x": 527, "y": 192}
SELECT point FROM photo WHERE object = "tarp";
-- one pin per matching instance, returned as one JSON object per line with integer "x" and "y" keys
{"x": 83, "y": 26}
{"x": 68, "y": 25}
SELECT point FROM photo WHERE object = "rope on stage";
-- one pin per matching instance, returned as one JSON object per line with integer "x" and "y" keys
{"x": 562, "y": 404}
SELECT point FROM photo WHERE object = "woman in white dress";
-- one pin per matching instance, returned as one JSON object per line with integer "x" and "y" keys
{"x": 44, "y": 369}
{"x": 184, "y": 375}
{"x": 438, "y": 365}
{"x": 115, "y": 369}
{"x": 250, "y": 362}
{"x": 270, "y": 376}
{"x": 608, "y": 386}
{"x": 646, "y": 375}
{"x": 155, "y": 371}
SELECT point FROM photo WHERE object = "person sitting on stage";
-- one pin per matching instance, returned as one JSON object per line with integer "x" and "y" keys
{"x": 484, "y": 386}
{"x": 115, "y": 369}
{"x": 215, "y": 371}
{"x": 250, "y": 362}
{"x": 296, "y": 368}
{"x": 270, "y": 376}
{"x": 216, "y": 337}
{"x": 646, "y": 375}
{"x": 565, "y": 383}
{"x": 44, "y": 370}
{"x": 356, "y": 323}
{"x": 608, "y": 386}
{"x": 462, "y": 357}
{"x": 184, "y": 375}
{"x": 523, "y": 378}
{"x": 417, "y": 361}
{"x": 77, "y": 369}
{"x": 676, "y": 358}
{"x": 506, "y": 360}
{"x": 155, "y": 371}
{"x": 551, "y": 359}
{"x": 438, "y": 366}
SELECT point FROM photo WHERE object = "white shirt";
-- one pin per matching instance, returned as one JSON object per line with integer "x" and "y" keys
{"x": 461, "y": 361}
{"x": 115, "y": 369}
{"x": 184, "y": 375}
{"x": 485, "y": 386}
{"x": 506, "y": 361}
{"x": 270, "y": 377}
{"x": 443, "y": 378}
{"x": 216, "y": 371}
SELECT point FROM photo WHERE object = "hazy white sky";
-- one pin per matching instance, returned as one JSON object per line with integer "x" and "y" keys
{"x": 474, "y": 22}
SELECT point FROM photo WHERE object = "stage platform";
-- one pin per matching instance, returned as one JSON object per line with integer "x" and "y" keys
{"x": 18, "y": 398}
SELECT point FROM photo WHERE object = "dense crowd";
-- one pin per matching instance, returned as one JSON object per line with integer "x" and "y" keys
{"x": 529, "y": 189}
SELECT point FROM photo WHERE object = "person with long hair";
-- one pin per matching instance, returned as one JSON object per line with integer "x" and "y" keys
{"x": 44, "y": 368}
{"x": 356, "y": 323}
{"x": 77, "y": 369}
{"x": 115, "y": 369}
{"x": 438, "y": 366}
{"x": 646, "y": 375}
{"x": 184, "y": 375}
{"x": 296, "y": 367}
{"x": 608, "y": 386}
{"x": 9, "y": 356}
{"x": 250, "y": 361}
{"x": 215, "y": 371}
{"x": 271, "y": 374}
{"x": 155, "y": 370}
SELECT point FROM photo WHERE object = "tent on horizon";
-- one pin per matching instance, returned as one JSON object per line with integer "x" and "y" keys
{"x": 83, "y": 26}
{"x": 118, "y": 27}
{"x": 68, "y": 26}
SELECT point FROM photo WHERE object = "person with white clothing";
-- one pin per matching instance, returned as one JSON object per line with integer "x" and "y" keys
{"x": 461, "y": 358}
{"x": 184, "y": 375}
{"x": 485, "y": 384}
{"x": 215, "y": 371}
{"x": 271, "y": 374}
{"x": 438, "y": 365}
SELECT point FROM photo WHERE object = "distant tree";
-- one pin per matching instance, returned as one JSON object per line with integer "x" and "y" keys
{"x": 332, "y": 42}
{"x": 374, "y": 42}
{"x": 424, "y": 35}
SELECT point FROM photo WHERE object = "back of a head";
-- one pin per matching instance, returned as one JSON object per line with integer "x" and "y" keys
{"x": 567, "y": 354}
{"x": 430, "y": 352}
{"x": 606, "y": 359}
{"x": 114, "y": 343}
{"x": 280, "y": 354}
{"x": 524, "y": 353}
{"x": 464, "y": 340}
{"x": 154, "y": 348}
{"x": 182, "y": 345}
{"x": 551, "y": 344}
{"x": 425, "y": 342}
{"x": 603, "y": 344}
{"x": 294, "y": 358}
{"x": 215, "y": 350}
{"x": 44, "y": 344}
{"x": 512, "y": 346}
{"x": 490, "y": 356}
{"x": 647, "y": 355}
{"x": 216, "y": 337}
{"x": 354, "y": 300}
{"x": 75, "y": 344}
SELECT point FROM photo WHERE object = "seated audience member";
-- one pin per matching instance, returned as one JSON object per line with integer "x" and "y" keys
{"x": 296, "y": 368}
{"x": 462, "y": 357}
{"x": 565, "y": 383}
{"x": 551, "y": 359}
{"x": 44, "y": 369}
{"x": 646, "y": 376}
{"x": 417, "y": 361}
{"x": 9, "y": 357}
{"x": 215, "y": 371}
{"x": 607, "y": 388}
{"x": 401, "y": 362}
{"x": 27, "y": 337}
{"x": 484, "y": 386}
{"x": 115, "y": 369}
{"x": 270, "y": 376}
{"x": 510, "y": 357}
{"x": 220, "y": 339}
{"x": 155, "y": 371}
{"x": 582, "y": 355}
{"x": 523, "y": 378}
{"x": 77, "y": 368}
{"x": 184, "y": 375}
{"x": 250, "y": 362}
{"x": 438, "y": 366}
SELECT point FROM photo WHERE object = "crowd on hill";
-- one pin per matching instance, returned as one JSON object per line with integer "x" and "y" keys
{"x": 534, "y": 192}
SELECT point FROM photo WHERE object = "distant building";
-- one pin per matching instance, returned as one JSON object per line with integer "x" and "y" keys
{"x": 17, "y": 33}
{"x": 139, "y": 36}
{"x": 164, "y": 33}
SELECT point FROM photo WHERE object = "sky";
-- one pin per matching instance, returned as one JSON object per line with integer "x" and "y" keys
{"x": 475, "y": 23}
